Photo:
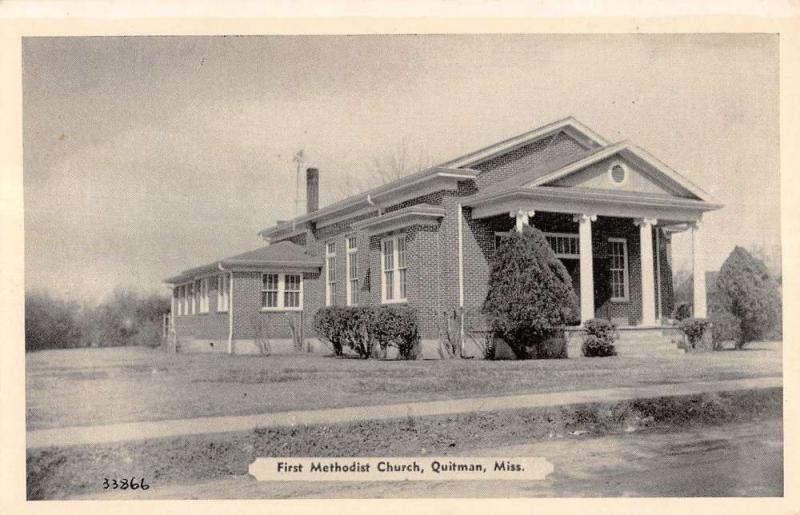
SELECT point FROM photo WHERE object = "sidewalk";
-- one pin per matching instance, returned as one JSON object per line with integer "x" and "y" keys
{"x": 93, "y": 435}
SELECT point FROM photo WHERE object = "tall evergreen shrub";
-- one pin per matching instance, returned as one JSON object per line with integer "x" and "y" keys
{"x": 530, "y": 295}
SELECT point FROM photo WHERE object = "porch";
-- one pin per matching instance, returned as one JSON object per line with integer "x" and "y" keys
{"x": 616, "y": 248}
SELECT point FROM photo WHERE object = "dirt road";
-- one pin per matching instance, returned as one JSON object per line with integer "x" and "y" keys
{"x": 726, "y": 460}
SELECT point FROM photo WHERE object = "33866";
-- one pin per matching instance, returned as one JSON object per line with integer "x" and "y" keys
{"x": 125, "y": 484}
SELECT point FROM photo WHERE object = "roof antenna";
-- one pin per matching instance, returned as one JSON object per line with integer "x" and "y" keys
{"x": 298, "y": 158}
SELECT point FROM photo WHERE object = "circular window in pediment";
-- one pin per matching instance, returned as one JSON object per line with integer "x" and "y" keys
{"x": 618, "y": 173}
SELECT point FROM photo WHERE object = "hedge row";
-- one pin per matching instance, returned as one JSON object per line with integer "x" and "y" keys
{"x": 369, "y": 330}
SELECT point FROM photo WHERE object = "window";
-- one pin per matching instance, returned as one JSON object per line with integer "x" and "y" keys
{"x": 291, "y": 291}
{"x": 182, "y": 305}
{"x": 498, "y": 238}
{"x": 190, "y": 298}
{"x": 201, "y": 293}
{"x": 282, "y": 292}
{"x": 393, "y": 276}
{"x": 330, "y": 274}
{"x": 352, "y": 271}
{"x": 618, "y": 173}
{"x": 223, "y": 292}
{"x": 176, "y": 296}
{"x": 564, "y": 245}
{"x": 269, "y": 290}
{"x": 618, "y": 268}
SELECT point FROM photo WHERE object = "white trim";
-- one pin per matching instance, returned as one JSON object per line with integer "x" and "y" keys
{"x": 460, "y": 257}
{"x": 395, "y": 269}
{"x": 230, "y": 318}
{"x": 527, "y": 138}
{"x": 626, "y": 172}
{"x": 223, "y": 293}
{"x": 625, "y": 274}
{"x": 631, "y": 150}
{"x": 565, "y": 236}
{"x": 659, "y": 314}
{"x": 350, "y": 254}
{"x": 330, "y": 293}
{"x": 280, "y": 293}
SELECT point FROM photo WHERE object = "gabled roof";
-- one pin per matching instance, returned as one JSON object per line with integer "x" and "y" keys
{"x": 570, "y": 125}
{"x": 453, "y": 170}
{"x": 629, "y": 150}
{"x": 284, "y": 254}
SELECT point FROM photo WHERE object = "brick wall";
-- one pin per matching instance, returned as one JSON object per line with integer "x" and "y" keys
{"x": 248, "y": 317}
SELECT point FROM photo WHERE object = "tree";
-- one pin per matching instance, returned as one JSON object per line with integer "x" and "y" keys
{"x": 751, "y": 295}
{"x": 530, "y": 295}
{"x": 50, "y": 323}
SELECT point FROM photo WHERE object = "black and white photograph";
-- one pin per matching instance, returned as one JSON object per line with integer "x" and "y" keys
{"x": 412, "y": 266}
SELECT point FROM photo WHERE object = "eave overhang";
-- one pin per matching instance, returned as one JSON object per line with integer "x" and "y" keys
{"x": 241, "y": 265}
{"x": 595, "y": 202}
{"x": 402, "y": 218}
{"x": 415, "y": 185}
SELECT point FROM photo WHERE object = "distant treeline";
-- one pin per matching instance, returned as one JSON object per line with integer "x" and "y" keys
{"x": 125, "y": 318}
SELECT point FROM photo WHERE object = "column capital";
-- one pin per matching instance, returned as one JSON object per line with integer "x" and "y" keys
{"x": 521, "y": 212}
{"x": 695, "y": 225}
{"x": 639, "y": 222}
{"x": 582, "y": 217}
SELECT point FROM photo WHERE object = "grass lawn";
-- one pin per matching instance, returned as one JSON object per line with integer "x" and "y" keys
{"x": 101, "y": 386}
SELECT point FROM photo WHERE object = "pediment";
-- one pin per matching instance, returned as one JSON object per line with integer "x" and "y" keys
{"x": 625, "y": 168}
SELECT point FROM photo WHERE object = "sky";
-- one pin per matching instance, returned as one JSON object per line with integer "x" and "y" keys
{"x": 144, "y": 156}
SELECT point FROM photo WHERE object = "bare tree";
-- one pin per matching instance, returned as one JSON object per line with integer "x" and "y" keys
{"x": 404, "y": 160}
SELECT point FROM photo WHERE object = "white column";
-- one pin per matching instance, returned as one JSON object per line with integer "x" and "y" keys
{"x": 523, "y": 218}
{"x": 699, "y": 273}
{"x": 646, "y": 266}
{"x": 586, "y": 265}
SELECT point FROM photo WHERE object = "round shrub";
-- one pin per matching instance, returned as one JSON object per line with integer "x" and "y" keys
{"x": 599, "y": 339}
{"x": 695, "y": 330}
{"x": 530, "y": 294}
{"x": 752, "y": 296}
{"x": 594, "y": 347}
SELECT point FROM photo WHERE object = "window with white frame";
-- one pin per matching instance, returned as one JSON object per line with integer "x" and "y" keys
{"x": 393, "y": 276}
{"x": 564, "y": 245}
{"x": 223, "y": 292}
{"x": 190, "y": 299}
{"x": 618, "y": 268}
{"x": 330, "y": 274}
{"x": 291, "y": 291}
{"x": 203, "y": 294}
{"x": 352, "y": 271}
{"x": 281, "y": 291}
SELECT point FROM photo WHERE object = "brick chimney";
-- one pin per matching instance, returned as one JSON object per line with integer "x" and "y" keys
{"x": 312, "y": 190}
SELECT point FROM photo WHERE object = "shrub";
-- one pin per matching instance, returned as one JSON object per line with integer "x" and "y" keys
{"x": 695, "y": 329}
{"x": 599, "y": 339}
{"x": 725, "y": 327}
{"x": 329, "y": 324}
{"x": 396, "y": 326}
{"x": 367, "y": 329}
{"x": 682, "y": 311}
{"x": 530, "y": 293}
{"x": 752, "y": 296}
